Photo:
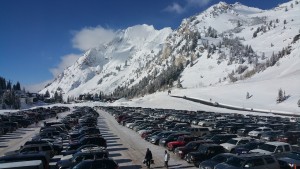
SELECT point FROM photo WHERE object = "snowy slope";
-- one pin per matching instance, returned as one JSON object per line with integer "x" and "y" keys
{"x": 213, "y": 47}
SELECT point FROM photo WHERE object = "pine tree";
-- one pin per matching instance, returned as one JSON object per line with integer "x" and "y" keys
{"x": 56, "y": 96}
{"x": 280, "y": 96}
{"x": 18, "y": 86}
{"x": 47, "y": 94}
{"x": 8, "y": 86}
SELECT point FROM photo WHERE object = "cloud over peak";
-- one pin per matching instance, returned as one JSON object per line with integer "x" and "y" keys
{"x": 188, "y": 4}
{"x": 65, "y": 62}
{"x": 90, "y": 37}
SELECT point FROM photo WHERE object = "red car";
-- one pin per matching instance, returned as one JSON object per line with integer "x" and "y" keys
{"x": 182, "y": 141}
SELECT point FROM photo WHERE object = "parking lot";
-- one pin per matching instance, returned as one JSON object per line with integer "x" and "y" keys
{"x": 118, "y": 137}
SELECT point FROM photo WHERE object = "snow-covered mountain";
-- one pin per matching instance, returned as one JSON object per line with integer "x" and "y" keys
{"x": 113, "y": 64}
{"x": 226, "y": 45}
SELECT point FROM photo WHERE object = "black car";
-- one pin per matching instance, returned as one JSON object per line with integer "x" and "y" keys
{"x": 96, "y": 164}
{"x": 211, "y": 163}
{"x": 100, "y": 141}
{"x": 80, "y": 156}
{"x": 204, "y": 152}
{"x": 26, "y": 157}
{"x": 222, "y": 138}
{"x": 56, "y": 147}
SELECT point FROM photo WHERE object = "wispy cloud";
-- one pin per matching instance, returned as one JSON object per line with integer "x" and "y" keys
{"x": 66, "y": 61}
{"x": 90, "y": 37}
{"x": 174, "y": 7}
{"x": 188, "y": 4}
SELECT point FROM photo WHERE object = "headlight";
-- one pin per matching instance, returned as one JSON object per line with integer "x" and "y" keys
{"x": 291, "y": 165}
{"x": 180, "y": 152}
{"x": 163, "y": 141}
{"x": 207, "y": 167}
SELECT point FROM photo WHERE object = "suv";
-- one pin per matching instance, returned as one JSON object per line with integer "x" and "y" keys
{"x": 258, "y": 132}
{"x": 253, "y": 161}
{"x": 273, "y": 148}
{"x": 204, "y": 152}
{"x": 199, "y": 132}
{"x": 234, "y": 142}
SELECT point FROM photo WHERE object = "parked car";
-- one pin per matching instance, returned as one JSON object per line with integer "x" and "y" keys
{"x": 290, "y": 160}
{"x": 96, "y": 164}
{"x": 245, "y": 148}
{"x": 155, "y": 139}
{"x": 91, "y": 154}
{"x": 253, "y": 161}
{"x": 211, "y": 163}
{"x": 244, "y": 131}
{"x": 289, "y": 137}
{"x": 181, "y": 141}
{"x": 199, "y": 132}
{"x": 271, "y": 135}
{"x": 231, "y": 144}
{"x": 191, "y": 146}
{"x": 172, "y": 137}
{"x": 258, "y": 132}
{"x": 204, "y": 152}
{"x": 100, "y": 141}
{"x": 23, "y": 157}
{"x": 222, "y": 138}
{"x": 273, "y": 148}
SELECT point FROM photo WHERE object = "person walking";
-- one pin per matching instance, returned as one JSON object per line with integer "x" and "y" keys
{"x": 167, "y": 158}
{"x": 148, "y": 158}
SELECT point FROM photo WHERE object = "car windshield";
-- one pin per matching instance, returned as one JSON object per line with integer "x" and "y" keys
{"x": 232, "y": 141}
{"x": 268, "y": 147}
{"x": 219, "y": 158}
{"x": 235, "y": 161}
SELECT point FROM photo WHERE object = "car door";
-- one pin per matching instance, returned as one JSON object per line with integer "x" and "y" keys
{"x": 257, "y": 163}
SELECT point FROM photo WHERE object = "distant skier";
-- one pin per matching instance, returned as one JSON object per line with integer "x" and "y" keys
{"x": 169, "y": 92}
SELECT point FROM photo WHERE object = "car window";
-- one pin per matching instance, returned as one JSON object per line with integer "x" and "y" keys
{"x": 269, "y": 160}
{"x": 243, "y": 141}
{"x": 287, "y": 148}
{"x": 46, "y": 148}
{"x": 279, "y": 149}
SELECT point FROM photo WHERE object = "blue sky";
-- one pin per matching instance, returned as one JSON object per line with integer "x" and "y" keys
{"x": 39, "y": 38}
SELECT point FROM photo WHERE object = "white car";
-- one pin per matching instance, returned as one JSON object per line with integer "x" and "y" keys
{"x": 257, "y": 132}
{"x": 231, "y": 144}
{"x": 206, "y": 123}
{"x": 273, "y": 148}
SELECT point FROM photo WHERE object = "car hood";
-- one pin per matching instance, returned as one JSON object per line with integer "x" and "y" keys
{"x": 226, "y": 145}
{"x": 225, "y": 166}
{"x": 209, "y": 163}
{"x": 261, "y": 151}
{"x": 290, "y": 160}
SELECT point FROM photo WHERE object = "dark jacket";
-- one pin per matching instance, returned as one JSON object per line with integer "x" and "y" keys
{"x": 148, "y": 155}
